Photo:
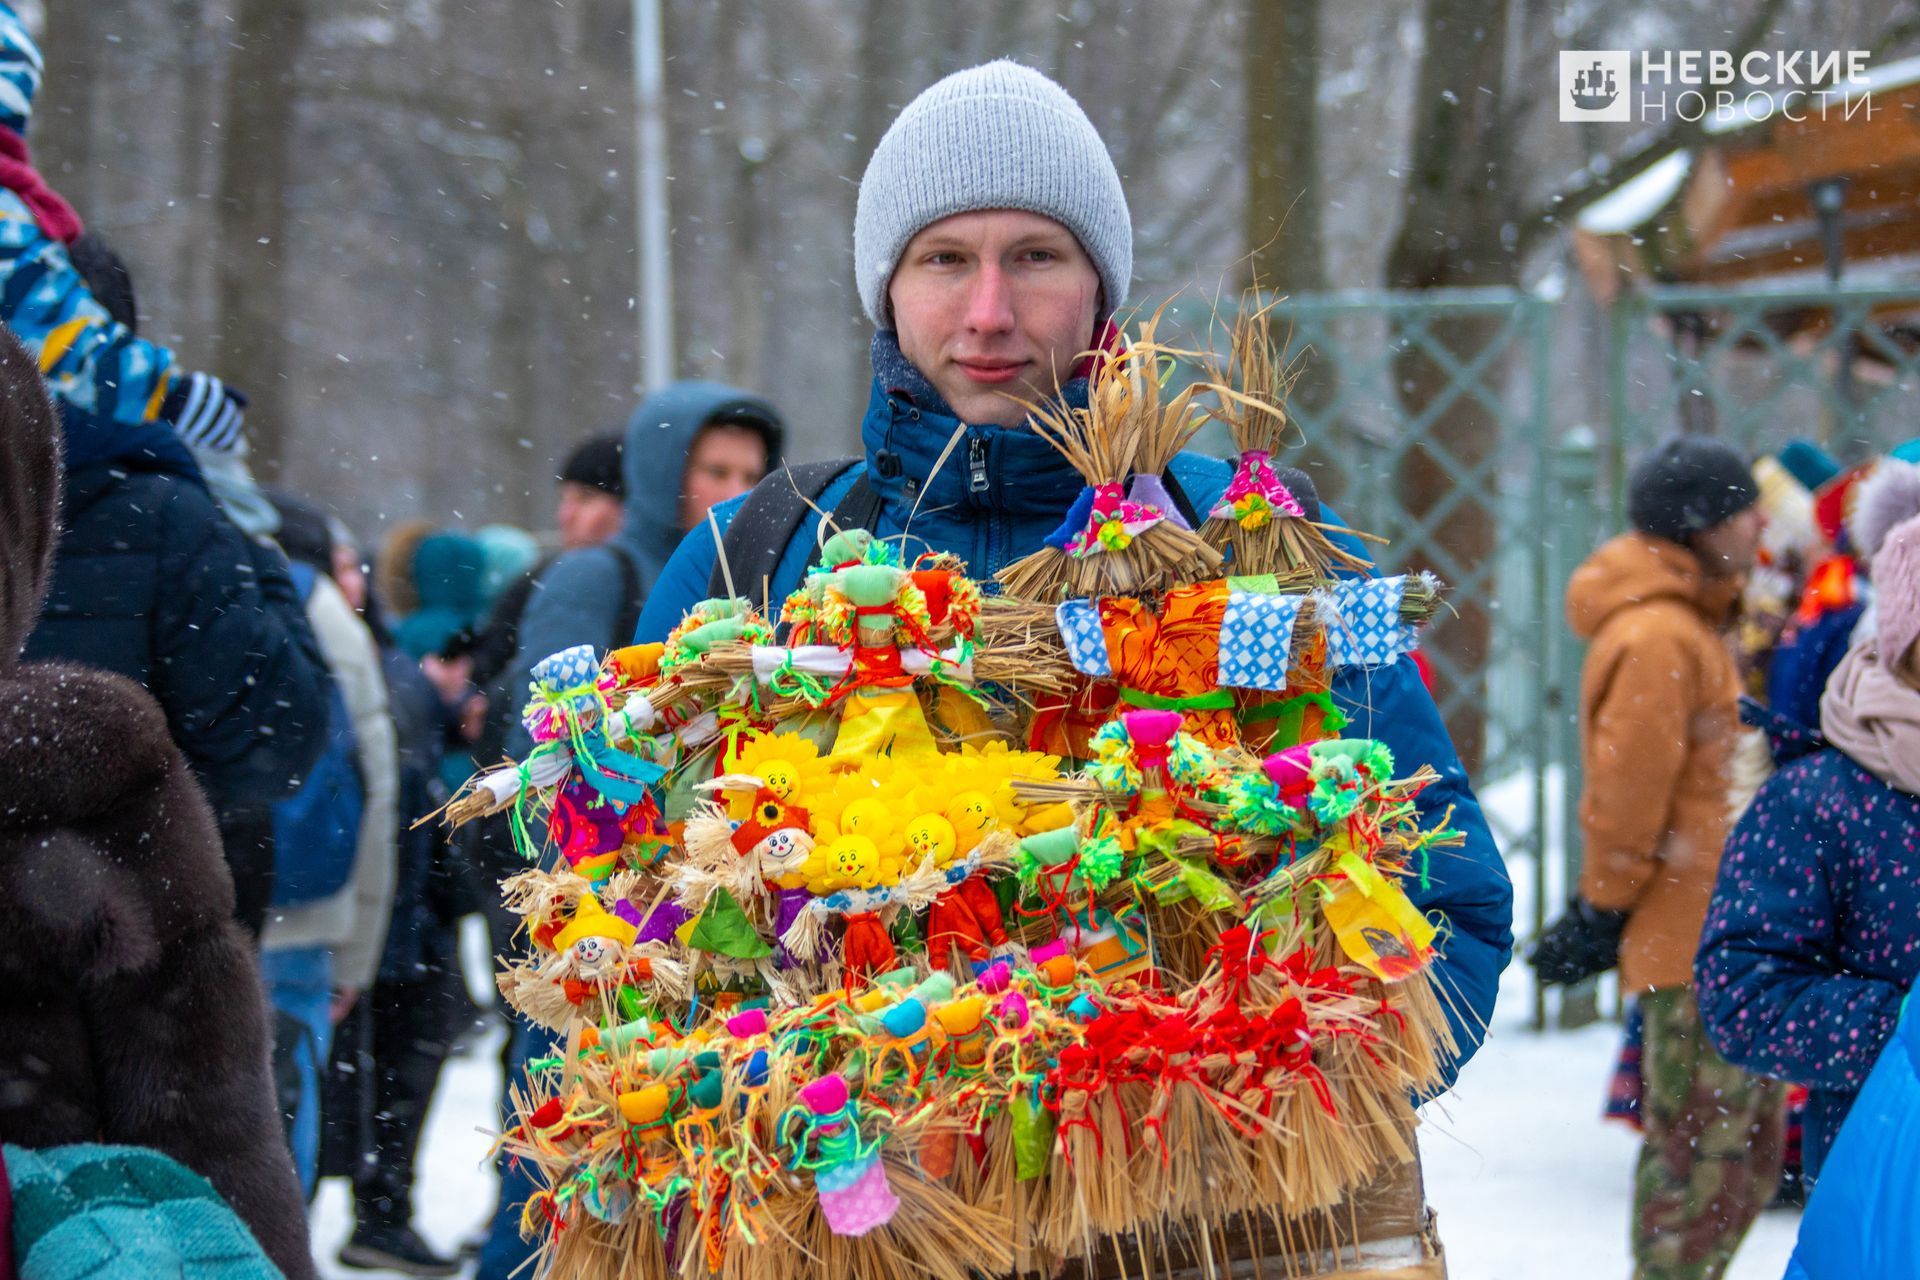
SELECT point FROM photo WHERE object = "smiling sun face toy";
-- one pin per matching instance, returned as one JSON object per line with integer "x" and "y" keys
{"x": 867, "y": 818}
{"x": 781, "y": 777}
{"x": 972, "y": 815}
{"x": 854, "y": 862}
{"x": 932, "y": 836}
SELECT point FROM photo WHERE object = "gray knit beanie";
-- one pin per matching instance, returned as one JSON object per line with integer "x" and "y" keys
{"x": 998, "y": 136}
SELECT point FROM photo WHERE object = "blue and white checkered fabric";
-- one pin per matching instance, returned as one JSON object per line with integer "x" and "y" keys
{"x": 1256, "y": 639}
{"x": 1079, "y": 622}
{"x": 568, "y": 669}
{"x": 1362, "y": 621}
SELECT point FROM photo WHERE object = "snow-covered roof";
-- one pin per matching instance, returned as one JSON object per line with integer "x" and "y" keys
{"x": 1634, "y": 202}
{"x": 1752, "y": 109}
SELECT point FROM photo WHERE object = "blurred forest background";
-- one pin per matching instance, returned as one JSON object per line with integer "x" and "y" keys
{"x": 406, "y": 227}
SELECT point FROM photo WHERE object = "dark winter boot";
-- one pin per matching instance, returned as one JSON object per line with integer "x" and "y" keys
{"x": 377, "y": 1246}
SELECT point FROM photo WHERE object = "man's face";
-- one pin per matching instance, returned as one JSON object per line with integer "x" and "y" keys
{"x": 994, "y": 308}
{"x": 1730, "y": 548}
{"x": 726, "y": 460}
{"x": 586, "y": 516}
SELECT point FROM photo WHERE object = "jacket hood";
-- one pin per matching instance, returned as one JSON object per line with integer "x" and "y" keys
{"x": 88, "y": 439}
{"x": 20, "y": 70}
{"x": 659, "y": 435}
{"x": 1787, "y": 739}
{"x": 449, "y": 573}
{"x": 1635, "y": 569}
{"x": 30, "y": 479}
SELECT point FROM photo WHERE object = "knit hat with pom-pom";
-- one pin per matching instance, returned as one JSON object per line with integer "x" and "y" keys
{"x": 1896, "y": 585}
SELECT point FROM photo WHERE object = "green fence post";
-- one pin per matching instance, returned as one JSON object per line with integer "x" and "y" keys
{"x": 1576, "y": 471}
{"x": 1624, "y": 320}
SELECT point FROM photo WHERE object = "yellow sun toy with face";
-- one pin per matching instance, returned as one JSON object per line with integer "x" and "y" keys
{"x": 870, "y": 818}
{"x": 851, "y": 862}
{"x": 972, "y": 815}
{"x": 788, "y": 764}
{"x": 989, "y": 771}
{"x": 932, "y": 836}
{"x": 876, "y": 779}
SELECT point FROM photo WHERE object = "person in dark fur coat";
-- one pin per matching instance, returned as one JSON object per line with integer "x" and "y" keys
{"x": 130, "y": 1003}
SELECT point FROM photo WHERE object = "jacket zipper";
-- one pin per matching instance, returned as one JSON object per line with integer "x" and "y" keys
{"x": 977, "y": 464}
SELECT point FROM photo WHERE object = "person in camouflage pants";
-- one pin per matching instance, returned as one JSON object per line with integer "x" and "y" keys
{"x": 1711, "y": 1157}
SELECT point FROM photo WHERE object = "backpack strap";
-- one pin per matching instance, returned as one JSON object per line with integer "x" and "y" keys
{"x": 631, "y": 599}
{"x": 773, "y": 515}
{"x": 1181, "y": 502}
{"x": 1304, "y": 492}
{"x": 305, "y": 578}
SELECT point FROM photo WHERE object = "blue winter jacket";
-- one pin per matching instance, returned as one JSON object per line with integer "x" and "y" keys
{"x": 1813, "y": 935}
{"x": 1863, "y": 1222}
{"x": 580, "y": 597}
{"x": 1797, "y": 675}
{"x": 1000, "y": 492}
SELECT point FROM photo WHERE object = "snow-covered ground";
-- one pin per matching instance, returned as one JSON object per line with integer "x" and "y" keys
{"x": 454, "y": 1196}
{"x": 1529, "y": 1183}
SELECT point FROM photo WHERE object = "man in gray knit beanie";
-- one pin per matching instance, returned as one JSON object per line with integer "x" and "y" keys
{"x": 992, "y": 248}
{"x": 992, "y": 238}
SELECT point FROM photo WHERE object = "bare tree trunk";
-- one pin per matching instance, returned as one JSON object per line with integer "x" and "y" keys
{"x": 257, "y": 136}
{"x": 1286, "y": 245}
{"x": 1286, "y": 251}
{"x": 62, "y": 128}
{"x": 1450, "y": 234}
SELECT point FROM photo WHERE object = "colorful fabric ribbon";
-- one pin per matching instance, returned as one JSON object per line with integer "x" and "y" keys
{"x": 1113, "y": 521}
{"x": 1255, "y": 495}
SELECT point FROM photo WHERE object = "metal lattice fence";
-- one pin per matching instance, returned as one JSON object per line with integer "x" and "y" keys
{"x": 1483, "y": 357}
{"x": 1841, "y": 367}
{"x": 1444, "y": 395}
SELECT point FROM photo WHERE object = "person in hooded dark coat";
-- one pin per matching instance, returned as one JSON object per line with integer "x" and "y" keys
{"x": 153, "y": 581}
{"x": 722, "y": 441}
{"x": 130, "y": 1002}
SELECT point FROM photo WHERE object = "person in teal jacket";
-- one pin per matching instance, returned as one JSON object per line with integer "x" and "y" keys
{"x": 992, "y": 245}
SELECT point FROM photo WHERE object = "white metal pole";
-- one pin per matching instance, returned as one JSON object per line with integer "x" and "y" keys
{"x": 650, "y": 187}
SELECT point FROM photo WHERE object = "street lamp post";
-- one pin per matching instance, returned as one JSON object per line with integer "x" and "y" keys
{"x": 655, "y": 264}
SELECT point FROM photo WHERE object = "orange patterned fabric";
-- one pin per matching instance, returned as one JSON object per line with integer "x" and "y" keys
{"x": 1832, "y": 585}
{"x": 1175, "y": 655}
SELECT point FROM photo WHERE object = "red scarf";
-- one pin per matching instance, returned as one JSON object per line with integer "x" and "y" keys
{"x": 17, "y": 174}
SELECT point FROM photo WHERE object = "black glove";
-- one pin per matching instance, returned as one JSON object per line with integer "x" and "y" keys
{"x": 205, "y": 412}
{"x": 1581, "y": 943}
